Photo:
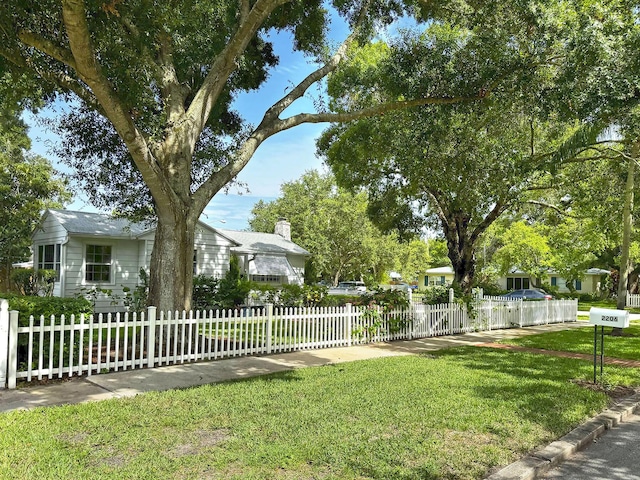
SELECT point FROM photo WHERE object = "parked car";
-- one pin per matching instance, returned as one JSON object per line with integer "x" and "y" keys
{"x": 528, "y": 294}
{"x": 349, "y": 288}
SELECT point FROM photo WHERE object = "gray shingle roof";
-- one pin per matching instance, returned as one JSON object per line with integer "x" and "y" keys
{"x": 99, "y": 224}
{"x": 257, "y": 242}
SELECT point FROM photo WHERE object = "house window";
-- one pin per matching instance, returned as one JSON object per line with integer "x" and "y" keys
{"x": 517, "y": 283}
{"x": 195, "y": 262}
{"x": 98, "y": 263}
{"x": 49, "y": 258}
{"x": 578, "y": 284}
{"x": 426, "y": 281}
{"x": 442, "y": 280}
{"x": 554, "y": 281}
{"x": 266, "y": 278}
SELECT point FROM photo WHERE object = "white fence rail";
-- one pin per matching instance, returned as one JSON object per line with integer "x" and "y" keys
{"x": 56, "y": 347}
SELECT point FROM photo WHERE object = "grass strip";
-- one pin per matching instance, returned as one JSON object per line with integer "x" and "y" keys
{"x": 580, "y": 340}
{"x": 453, "y": 415}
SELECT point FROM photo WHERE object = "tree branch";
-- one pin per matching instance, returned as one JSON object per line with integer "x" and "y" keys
{"x": 244, "y": 10}
{"x": 299, "y": 90}
{"x": 327, "y": 117}
{"x": 66, "y": 82}
{"x": 493, "y": 215}
{"x": 554, "y": 208}
{"x": 225, "y": 64}
{"x": 54, "y": 51}
{"x": 170, "y": 87}
{"x": 88, "y": 68}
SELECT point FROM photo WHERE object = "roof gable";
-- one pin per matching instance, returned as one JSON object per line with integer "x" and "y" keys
{"x": 99, "y": 224}
{"x": 258, "y": 242}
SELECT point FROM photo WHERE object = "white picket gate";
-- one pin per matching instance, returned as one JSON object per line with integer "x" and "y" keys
{"x": 56, "y": 347}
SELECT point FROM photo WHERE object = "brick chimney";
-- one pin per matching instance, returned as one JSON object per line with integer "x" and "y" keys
{"x": 283, "y": 228}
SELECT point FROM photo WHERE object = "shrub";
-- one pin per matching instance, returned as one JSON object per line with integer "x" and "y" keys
{"x": 233, "y": 289}
{"x": 228, "y": 292}
{"x": 205, "y": 291}
{"x": 32, "y": 282}
{"x": 589, "y": 297}
{"x": 136, "y": 299}
{"x": 338, "y": 300}
{"x": 386, "y": 299}
{"x": 47, "y": 306}
{"x": 435, "y": 295}
{"x": 490, "y": 289}
{"x": 290, "y": 295}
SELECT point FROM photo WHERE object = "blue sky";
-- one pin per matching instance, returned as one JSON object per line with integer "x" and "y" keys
{"x": 282, "y": 158}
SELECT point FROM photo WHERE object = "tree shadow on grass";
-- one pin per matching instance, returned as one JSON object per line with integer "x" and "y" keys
{"x": 540, "y": 386}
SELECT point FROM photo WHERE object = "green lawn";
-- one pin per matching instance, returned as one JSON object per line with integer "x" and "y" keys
{"x": 607, "y": 303}
{"x": 580, "y": 340}
{"x": 457, "y": 414}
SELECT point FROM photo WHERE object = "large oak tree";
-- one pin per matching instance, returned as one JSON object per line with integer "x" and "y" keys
{"x": 150, "y": 86}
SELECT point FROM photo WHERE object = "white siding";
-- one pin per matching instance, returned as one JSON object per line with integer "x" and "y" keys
{"x": 125, "y": 267}
{"x": 213, "y": 252}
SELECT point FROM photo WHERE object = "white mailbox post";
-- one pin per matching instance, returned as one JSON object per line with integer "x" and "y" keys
{"x": 604, "y": 317}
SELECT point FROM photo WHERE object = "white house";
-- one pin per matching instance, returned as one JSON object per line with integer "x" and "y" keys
{"x": 92, "y": 250}
{"x": 518, "y": 280}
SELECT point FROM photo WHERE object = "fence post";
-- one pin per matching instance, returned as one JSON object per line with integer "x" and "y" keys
{"x": 451, "y": 293}
{"x": 4, "y": 341}
{"x": 520, "y": 317}
{"x": 490, "y": 316}
{"x": 269, "y": 326}
{"x": 349, "y": 322}
{"x": 13, "y": 349}
{"x": 546, "y": 317}
{"x": 151, "y": 337}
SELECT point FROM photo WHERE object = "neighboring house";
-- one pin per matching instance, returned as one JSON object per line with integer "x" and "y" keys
{"x": 518, "y": 280}
{"x": 436, "y": 276}
{"x": 590, "y": 283}
{"x": 95, "y": 251}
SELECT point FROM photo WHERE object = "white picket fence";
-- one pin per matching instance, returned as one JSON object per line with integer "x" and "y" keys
{"x": 633, "y": 300}
{"x": 57, "y": 347}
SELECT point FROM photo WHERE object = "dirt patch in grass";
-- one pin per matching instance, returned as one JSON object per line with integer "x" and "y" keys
{"x": 200, "y": 441}
{"x": 115, "y": 462}
{"x": 615, "y": 393}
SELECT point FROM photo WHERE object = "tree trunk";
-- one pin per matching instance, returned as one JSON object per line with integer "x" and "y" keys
{"x": 627, "y": 226}
{"x": 461, "y": 254}
{"x": 464, "y": 268}
{"x": 171, "y": 269}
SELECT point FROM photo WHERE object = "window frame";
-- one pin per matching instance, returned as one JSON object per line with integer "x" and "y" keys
{"x": 518, "y": 283}
{"x": 266, "y": 278}
{"x": 110, "y": 264}
{"x": 55, "y": 263}
{"x": 195, "y": 261}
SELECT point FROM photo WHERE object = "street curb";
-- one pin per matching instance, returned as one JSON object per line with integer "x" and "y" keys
{"x": 540, "y": 461}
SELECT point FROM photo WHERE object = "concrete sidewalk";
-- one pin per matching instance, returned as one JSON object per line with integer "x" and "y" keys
{"x": 134, "y": 382}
